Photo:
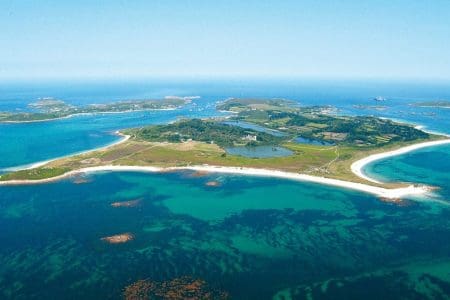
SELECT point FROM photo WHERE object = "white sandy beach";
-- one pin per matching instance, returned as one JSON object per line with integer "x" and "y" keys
{"x": 378, "y": 191}
{"x": 358, "y": 166}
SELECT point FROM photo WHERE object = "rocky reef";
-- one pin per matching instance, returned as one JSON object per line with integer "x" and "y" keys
{"x": 178, "y": 288}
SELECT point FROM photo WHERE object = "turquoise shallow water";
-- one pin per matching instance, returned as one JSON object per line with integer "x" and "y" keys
{"x": 25, "y": 143}
{"x": 256, "y": 238}
{"x": 428, "y": 165}
{"x": 252, "y": 237}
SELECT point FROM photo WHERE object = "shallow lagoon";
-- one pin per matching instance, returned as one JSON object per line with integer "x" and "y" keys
{"x": 255, "y": 127}
{"x": 303, "y": 140}
{"x": 259, "y": 151}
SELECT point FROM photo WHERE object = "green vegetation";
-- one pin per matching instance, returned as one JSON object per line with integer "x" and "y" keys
{"x": 317, "y": 123}
{"x": 196, "y": 142}
{"x": 29, "y": 117}
{"x": 203, "y": 131}
{"x": 34, "y": 174}
{"x": 48, "y": 108}
{"x": 236, "y": 105}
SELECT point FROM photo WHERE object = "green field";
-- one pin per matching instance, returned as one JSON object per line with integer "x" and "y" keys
{"x": 319, "y": 124}
{"x": 193, "y": 142}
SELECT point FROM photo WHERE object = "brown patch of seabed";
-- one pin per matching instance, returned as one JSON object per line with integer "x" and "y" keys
{"x": 175, "y": 289}
{"x": 118, "y": 238}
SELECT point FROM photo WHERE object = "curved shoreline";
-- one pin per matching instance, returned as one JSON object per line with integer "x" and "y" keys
{"x": 391, "y": 194}
{"x": 358, "y": 166}
{"x": 44, "y": 162}
{"x": 88, "y": 114}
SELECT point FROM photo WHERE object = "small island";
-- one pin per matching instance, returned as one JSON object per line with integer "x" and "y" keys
{"x": 436, "y": 104}
{"x": 315, "y": 144}
{"x": 46, "y": 109}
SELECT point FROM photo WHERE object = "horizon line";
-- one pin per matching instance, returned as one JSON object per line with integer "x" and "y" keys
{"x": 217, "y": 77}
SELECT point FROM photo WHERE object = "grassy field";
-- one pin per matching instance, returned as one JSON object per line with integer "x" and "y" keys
{"x": 319, "y": 123}
{"x": 35, "y": 174}
{"x": 327, "y": 161}
{"x": 193, "y": 142}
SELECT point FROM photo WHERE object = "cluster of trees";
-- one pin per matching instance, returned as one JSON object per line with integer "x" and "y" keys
{"x": 311, "y": 122}
{"x": 204, "y": 131}
{"x": 308, "y": 123}
{"x": 363, "y": 129}
{"x": 370, "y": 129}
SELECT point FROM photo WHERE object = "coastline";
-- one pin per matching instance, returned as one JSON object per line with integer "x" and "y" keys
{"x": 416, "y": 126}
{"x": 41, "y": 163}
{"x": 391, "y": 194}
{"x": 37, "y": 121}
{"x": 358, "y": 166}
{"x": 89, "y": 114}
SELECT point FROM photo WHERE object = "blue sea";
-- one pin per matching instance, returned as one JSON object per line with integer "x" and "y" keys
{"x": 252, "y": 238}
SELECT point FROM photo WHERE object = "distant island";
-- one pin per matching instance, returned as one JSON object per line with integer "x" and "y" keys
{"x": 49, "y": 108}
{"x": 320, "y": 146}
{"x": 437, "y": 104}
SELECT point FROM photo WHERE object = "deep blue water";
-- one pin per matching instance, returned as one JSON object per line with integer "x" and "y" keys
{"x": 255, "y": 238}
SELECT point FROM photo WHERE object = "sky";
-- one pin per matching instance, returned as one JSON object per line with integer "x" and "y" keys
{"x": 389, "y": 39}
